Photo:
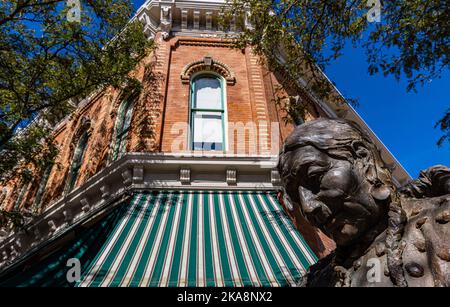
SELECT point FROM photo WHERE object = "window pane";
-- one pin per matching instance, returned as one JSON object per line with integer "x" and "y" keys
{"x": 122, "y": 144}
{"x": 77, "y": 160}
{"x": 128, "y": 115}
{"x": 208, "y": 133}
{"x": 123, "y": 125}
{"x": 208, "y": 94}
{"x": 79, "y": 151}
{"x": 41, "y": 190}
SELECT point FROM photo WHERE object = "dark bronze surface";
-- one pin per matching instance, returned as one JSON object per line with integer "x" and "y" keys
{"x": 332, "y": 172}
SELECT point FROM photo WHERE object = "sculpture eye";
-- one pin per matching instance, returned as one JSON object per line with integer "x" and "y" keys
{"x": 315, "y": 172}
{"x": 315, "y": 175}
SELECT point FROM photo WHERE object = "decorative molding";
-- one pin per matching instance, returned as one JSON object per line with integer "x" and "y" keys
{"x": 138, "y": 174}
{"x": 116, "y": 182}
{"x": 105, "y": 192}
{"x": 196, "y": 20}
{"x": 208, "y": 64}
{"x": 231, "y": 176}
{"x": 275, "y": 177}
{"x": 85, "y": 126}
{"x": 185, "y": 175}
{"x": 184, "y": 19}
{"x": 175, "y": 17}
{"x": 67, "y": 216}
{"x": 218, "y": 42}
{"x": 52, "y": 226}
{"x": 208, "y": 18}
{"x": 127, "y": 177}
{"x": 166, "y": 21}
{"x": 85, "y": 205}
{"x": 150, "y": 28}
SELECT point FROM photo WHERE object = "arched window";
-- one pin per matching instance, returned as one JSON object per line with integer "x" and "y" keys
{"x": 77, "y": 161}
{"x": 122, "y": 128}
{"x": 21, "y": 196}
{"x": 41, "y": 189}
{"x": 207, "y": 113}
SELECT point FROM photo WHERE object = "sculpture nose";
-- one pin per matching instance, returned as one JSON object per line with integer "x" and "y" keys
{"x": 311, "y": 207}
{"x": 316, "y": 212}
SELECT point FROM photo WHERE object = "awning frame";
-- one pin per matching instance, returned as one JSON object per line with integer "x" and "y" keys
{"x": 132, "y": 173}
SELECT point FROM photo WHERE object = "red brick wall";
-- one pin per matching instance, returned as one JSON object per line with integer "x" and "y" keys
{"x": 239, "y": 106}
{"x": 249, "y": 101}
{"x": 163, "y": 103}
{"x": 101, "y": 117}
{"x": 163, "y": 106}
{"x": 98, "y": 113}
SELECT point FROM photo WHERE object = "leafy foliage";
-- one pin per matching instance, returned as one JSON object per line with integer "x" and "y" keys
{"x": 301, "y": 37}
{"x": 444, "y": 125}
{"x": 48, "y": 64}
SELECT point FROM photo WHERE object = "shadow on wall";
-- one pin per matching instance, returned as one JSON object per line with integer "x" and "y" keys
{"x": 148, "y": 109}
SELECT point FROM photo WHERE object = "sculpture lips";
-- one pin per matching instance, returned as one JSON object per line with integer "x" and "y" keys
{"x": 356, "y": 209}
{"x": 320, "y": 217}
{"x": 336, "y": 173}
{"x": 349, "y": 230}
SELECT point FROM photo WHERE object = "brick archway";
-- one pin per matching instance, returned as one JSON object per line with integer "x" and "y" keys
{"x": 208, "y": 64}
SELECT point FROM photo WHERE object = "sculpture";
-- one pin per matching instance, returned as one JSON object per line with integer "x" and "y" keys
{"x": 333, "y": 173}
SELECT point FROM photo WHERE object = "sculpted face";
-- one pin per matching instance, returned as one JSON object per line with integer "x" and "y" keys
{"x": 333, "y": 172}
{"x": 332, "y": 191}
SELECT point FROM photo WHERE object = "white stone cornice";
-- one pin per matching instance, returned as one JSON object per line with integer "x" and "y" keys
{"x": 184, "y": 19}
{"x": 178, "y": 16}
{"x": 196, "y": 22}
{"x": 137, "y": 172}
{"x": 209, "y": 16}
{"x": 166, "y": 20}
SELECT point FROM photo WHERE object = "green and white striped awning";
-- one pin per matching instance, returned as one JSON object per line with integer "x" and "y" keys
{"x": 201, "y": 239}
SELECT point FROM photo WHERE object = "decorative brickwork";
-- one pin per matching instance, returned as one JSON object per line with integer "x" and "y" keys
{"x": 160, "y": 120}
{"x": 207, "y": 64}
{"x": 161, "y": 110}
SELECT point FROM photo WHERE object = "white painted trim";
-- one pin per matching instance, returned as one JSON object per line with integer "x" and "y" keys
{"x": 225, "y": 107}
{"x": 135, "y": 172}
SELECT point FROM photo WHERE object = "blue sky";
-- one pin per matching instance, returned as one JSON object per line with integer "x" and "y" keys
{"x": 404, "y": 121}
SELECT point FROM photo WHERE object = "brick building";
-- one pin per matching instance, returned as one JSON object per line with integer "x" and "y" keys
{"x": 175, "y": 184}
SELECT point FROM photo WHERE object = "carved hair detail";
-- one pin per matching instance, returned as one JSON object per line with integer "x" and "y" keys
{"x": 432, "y": 182}
{"x": 345, "y": 140}
{"x": 340, "y": 139}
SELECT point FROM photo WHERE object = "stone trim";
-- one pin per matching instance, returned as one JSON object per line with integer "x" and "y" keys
{"x": 85, "y": 126}
{"x": 208, "y": 64}
{"x": 134, "y": 172}
{"x": 205, "y": 41}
